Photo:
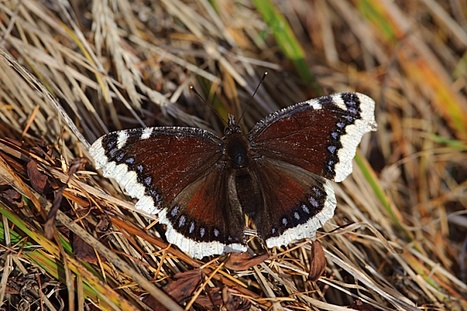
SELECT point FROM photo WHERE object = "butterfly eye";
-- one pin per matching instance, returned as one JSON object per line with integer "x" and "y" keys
{"x": 232, "y": 127}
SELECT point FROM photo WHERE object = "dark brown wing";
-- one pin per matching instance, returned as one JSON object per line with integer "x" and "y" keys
{"x": 296, "y": 202}
{"x": 201, "y": 219}
{"x": 176, "y": 173}
{"x": 294, "y": 151}
{"x": 320, "y": 135}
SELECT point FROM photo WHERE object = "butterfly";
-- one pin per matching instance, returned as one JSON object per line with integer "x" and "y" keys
{"x": 201, "y": 185}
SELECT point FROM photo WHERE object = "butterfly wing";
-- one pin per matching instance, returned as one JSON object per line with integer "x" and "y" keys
{"x": 178, "y": 174}
{"x": 320, "y": 135}
{"x": 202, "y": 221}
{"x": 294, "y": 148}
{"x": 296, "y": 202}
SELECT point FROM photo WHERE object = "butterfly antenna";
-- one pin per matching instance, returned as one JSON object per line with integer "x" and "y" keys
{"x": 192, "y": 88}
{"x": 250, "y": 101}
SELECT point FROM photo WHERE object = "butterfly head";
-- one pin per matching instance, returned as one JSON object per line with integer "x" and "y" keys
{"x": 232, "y": 126}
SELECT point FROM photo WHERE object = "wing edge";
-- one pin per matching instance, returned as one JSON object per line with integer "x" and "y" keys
{"x": 308, "y": 229}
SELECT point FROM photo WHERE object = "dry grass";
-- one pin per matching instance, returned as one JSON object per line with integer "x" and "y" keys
{"x": 398, "y": 239}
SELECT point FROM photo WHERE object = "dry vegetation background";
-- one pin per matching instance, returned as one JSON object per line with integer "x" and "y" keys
{"x": 69, "y": 237}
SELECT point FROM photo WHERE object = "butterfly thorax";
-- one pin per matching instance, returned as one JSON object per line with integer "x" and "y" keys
{"x": 235, "y": 146}
{"x": 236, "y": 152}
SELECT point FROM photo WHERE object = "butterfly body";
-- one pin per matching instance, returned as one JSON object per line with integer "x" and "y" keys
{"x": 235, "y": 146}
{"x": 201, "y": 185}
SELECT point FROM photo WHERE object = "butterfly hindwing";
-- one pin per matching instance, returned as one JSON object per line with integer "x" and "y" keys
{"x": 296, "y": 202}
{"x": 202, "y": 221}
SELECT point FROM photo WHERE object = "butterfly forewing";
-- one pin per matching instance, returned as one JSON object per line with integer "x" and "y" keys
{"x": 320, "y": 135}
{"x": 161, "y": 160}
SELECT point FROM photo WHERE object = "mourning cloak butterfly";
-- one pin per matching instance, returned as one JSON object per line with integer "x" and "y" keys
{"x": 201, "y": 186}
